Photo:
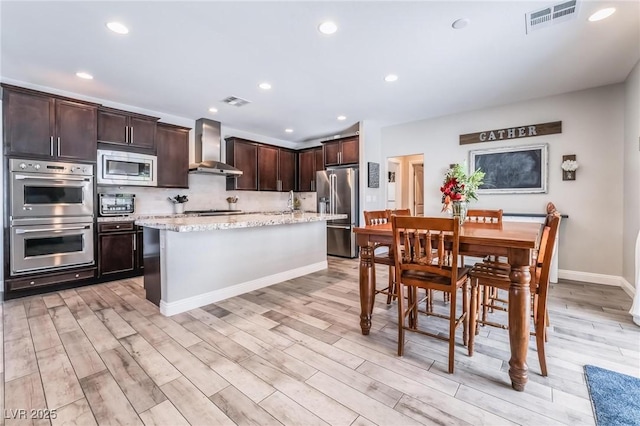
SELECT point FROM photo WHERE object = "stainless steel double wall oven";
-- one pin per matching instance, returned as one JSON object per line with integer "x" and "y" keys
{"x": 51, "y": 215}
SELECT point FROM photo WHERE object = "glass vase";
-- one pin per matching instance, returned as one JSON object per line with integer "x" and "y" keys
{"x": 459, "y": 209}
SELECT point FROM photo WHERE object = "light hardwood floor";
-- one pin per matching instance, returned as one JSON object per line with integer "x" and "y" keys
{"x": 293, "y": 354}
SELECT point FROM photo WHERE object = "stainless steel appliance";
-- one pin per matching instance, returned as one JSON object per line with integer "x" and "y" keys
{"x": 337, "y": 189}
{"x": 126, "y": 168}
{"x": 45, "y": 188}
{"x": 207, "y": 150}
{"x": 51, "y": 221}
{"x": 117, "y": 204}
{"x": 44, "y": 245}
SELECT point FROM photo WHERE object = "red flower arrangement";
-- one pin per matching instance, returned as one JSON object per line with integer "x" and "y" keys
{"x": 457, "y": 186}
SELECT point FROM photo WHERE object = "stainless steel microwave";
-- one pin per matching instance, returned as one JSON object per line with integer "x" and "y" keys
{"x": 126, "y": 168}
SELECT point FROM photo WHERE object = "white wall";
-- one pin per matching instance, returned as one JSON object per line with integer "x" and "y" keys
{"x": 371, "y": 198}
{"x": 592, "y": 128}
{"x": 631, "y": 188}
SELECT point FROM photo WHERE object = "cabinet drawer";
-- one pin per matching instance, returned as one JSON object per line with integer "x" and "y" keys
{"x": 115, "y": 227}
{"x": 51, "y": 279}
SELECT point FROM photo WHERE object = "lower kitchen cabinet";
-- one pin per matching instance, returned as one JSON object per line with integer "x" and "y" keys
{"x": 119, "y": 249}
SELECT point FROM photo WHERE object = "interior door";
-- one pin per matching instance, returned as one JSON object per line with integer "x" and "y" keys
{"x": 418, "y": 189}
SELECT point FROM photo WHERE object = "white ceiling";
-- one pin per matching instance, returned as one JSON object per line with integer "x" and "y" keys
{"x": 182, "y": 58}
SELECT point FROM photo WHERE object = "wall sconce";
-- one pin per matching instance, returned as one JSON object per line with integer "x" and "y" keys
{"x": 569, "y": 167}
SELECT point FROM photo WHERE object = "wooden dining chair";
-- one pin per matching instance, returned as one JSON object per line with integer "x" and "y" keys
{"x": 384, "y": 256}
{"x": 422, "y": 239}
{"x": 484, "y": 276}
{"x": 490, "y": 218}
{"x": 477, "y": 217}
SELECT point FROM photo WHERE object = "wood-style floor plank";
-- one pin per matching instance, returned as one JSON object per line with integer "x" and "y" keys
{"x": 21, "y": 396}
{"x": 293, "y": 353}
{"x": 242, "y": 410}
{"x": 252, "y": 386}
{"x": 77, "y": 413}
{"x": 61, "y": 387}
{"x": 108, "y": 403}
{"x": 163, "y": 414}
{"x": 152, "y": 362}
{"x": 83, "y": 356}
{"x": 139, "y": 389}
{"x": 193, "y": 405}
{"x": 204, "y": 378}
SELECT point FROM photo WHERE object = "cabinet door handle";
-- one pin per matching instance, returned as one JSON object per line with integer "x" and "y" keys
{"x": 51, "y": 145}
{"x": 58, "y": 146}
{"x": 131, "y": 138}
{"x": 126, "y": 134}
{"x": 134, "y": 242}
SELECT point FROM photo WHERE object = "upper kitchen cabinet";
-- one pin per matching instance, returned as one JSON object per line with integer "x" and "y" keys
{"x": 128, "y": 129}
{"x": 172, "y": 144}
{"x": 43, "y": 125}
{"x": 243, "y": 154}
{"x": 342, "y": 151}
{"x": 309, "y": 162}
{"x": 276, "y": 168}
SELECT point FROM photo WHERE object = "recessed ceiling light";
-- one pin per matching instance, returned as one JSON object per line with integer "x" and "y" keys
{"x": 328, "y": 28}
{"x": 288, "y": 130}
{"x": 84, "y": 75}
{"x": 391, "y": 78}
{"x": 118, "y": 28}
{"x": 342, "y": 117}
{"x": 213, "y": 110}
{"x": 264, "y": 86}
{"x": 602, "y": 14}
{"x": 459, "y": 24}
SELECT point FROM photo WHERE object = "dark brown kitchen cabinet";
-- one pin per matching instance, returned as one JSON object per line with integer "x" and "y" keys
{"x": 268, "y": 168}
{"x": 42, "y": 125}
{"x": 276, "y": 168}
{"x": 134, "y": 131}
{"x": 243, "y": 155}
{"x": 264, "y": 167}
{"x": 119, "y": 248}
{"x": 342, "y": 152}
{"x": 309, "y": 162}
{"x": 172, "y": 150}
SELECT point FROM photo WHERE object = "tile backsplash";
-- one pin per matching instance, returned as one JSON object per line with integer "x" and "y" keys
{"x": 208, "y": 192}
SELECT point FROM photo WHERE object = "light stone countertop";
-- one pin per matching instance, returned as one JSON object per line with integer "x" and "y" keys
{"x": 190, "y": 223}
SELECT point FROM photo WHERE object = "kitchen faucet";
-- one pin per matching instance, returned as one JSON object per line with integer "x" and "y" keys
{"x": 290, "y": 201}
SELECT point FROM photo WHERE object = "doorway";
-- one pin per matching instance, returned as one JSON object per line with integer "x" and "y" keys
{"x": 405, "y": 183}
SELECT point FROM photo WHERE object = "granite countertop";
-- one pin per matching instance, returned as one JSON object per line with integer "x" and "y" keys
{"x": 190, "y": 223}
{"x": 133, "y": 217}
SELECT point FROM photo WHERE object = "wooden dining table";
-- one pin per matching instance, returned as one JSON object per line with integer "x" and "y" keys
{"x": 514, "y": 240}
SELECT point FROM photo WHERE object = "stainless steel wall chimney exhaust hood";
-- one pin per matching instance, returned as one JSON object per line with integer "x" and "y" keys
{"x": 207, "y": 150}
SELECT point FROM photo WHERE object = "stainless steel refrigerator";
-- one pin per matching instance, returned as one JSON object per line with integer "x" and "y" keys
{"x": 337, "y": 192}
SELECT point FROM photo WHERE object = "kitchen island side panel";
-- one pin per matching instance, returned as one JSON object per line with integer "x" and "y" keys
{"x": 198, "y": 268}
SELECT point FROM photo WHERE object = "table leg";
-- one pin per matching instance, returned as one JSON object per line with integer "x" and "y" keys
{"x": 519, "y": 312}
{"x": 366, "y": 287}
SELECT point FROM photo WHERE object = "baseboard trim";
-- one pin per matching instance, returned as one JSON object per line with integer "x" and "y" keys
{"x": 627, "y": 287}
{"x": 179, "y": 306}
{"x": 590, "y": 277}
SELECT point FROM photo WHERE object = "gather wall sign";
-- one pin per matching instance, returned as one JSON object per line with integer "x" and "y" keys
{"x": 518, "y": 132}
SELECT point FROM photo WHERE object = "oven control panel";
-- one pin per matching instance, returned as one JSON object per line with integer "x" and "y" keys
{"x": 50, "y": 167}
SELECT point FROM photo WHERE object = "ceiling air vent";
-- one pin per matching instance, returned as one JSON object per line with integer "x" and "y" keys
{"x": 551, "y": 15}
{"x": 234, "y": 101}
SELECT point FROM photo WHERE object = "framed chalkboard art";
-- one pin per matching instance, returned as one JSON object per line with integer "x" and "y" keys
{"x": 513, "y": 170}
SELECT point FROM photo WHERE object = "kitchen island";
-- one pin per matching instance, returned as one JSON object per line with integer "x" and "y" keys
{"x": 194, "y": 261}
